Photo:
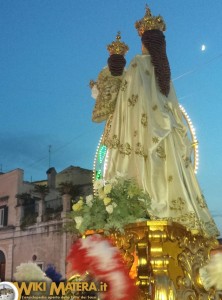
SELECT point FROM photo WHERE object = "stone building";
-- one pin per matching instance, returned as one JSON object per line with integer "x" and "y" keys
{"x": 32, "y": 217}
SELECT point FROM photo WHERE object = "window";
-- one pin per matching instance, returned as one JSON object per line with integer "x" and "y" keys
{"x": 2, "y": 211}
{"x": 3, "y": 215}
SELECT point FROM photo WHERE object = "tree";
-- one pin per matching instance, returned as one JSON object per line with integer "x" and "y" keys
{"x": 42, "y": 190}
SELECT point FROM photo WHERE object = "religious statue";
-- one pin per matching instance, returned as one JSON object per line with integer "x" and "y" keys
{"x": 145, "y": 134}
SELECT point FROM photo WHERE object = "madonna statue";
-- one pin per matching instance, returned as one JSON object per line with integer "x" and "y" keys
{"x": 147, "y": 139}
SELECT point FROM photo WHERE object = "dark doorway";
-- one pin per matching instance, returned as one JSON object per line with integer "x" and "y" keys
{"x": 2, "y": 266}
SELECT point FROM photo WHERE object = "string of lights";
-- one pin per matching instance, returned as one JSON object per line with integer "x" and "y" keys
{"x": 193, "y": 137}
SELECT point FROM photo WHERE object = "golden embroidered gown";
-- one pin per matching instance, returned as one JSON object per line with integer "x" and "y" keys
{"x": 147, "y": 140}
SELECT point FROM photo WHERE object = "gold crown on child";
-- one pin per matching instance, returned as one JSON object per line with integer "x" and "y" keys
{"x": 117, "y": 46}
{"x": 150, "y": 22}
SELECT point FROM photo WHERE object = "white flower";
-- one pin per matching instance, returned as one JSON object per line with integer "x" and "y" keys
{"x": 101, "y": 194}
{"x": 89, "y": 200}
{"x": 29, "y": 272}
{"x": 107, "y": 188}
{"x": 113, "y": 181}
{"x": 107, "y": 200}
{"x": 114, "y": 204}
{"x": 89, "y": 197}
{"x": 98, "y": 184}
{"x": 109, "y": 209}
{"x": 120, "y": 175}
{"x": 78, "y": 221}
{"x": 77, "y": 206}
{"x": 142, "y": 200}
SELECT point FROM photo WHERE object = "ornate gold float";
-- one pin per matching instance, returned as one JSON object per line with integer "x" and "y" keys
{"x": 165, "y": 258}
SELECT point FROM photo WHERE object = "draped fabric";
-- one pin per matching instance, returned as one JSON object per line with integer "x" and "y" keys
{"x": 147, "y": 140}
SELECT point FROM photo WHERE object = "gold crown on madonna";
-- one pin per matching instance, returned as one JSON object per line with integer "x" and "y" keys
{"x": 150, "y": 22}
{"x": 117, "y": 46}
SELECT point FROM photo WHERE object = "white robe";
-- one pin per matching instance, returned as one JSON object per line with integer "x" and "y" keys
{"x": 147, "y": 140}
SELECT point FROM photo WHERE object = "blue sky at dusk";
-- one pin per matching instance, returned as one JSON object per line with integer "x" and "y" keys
{"x": 50, "y": 49}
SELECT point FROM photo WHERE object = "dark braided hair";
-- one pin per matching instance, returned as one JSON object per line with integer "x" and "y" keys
{"x": 154, "y": 42}
{"x": 116, "y": 63}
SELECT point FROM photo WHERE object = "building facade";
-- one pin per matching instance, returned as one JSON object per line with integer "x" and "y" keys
{"x": 33, "y": 216}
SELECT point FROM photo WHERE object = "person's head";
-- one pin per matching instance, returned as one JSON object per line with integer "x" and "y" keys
{"x": 154, "y": 42}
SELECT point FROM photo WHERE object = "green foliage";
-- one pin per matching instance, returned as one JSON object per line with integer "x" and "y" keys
{"x": 28, "y": 220}
{"x": 42, "y": 190}
{"x": 117, "y": 203}
{"x": 68, "y": 188}
{"x": 24, "y": 199}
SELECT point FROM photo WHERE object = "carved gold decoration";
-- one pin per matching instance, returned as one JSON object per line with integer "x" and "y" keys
{"x": 168, "y": 258}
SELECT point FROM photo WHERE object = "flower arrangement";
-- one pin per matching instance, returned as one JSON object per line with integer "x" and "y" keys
{"x": 30, "y": 272}
{"x": 115, "y": 204}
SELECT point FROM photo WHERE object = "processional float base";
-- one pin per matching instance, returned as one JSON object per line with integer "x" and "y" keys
{"x": 164, "y": 258}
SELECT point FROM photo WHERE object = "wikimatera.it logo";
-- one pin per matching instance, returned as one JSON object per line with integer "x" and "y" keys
{"x": 53, "y": 290}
